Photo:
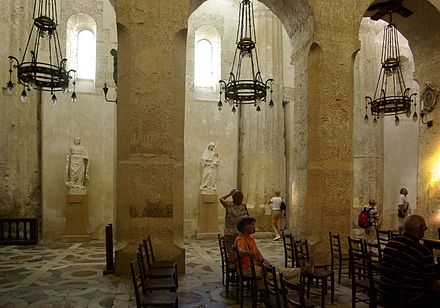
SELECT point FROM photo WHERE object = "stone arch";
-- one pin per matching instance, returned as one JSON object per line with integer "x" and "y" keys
{"x": 416, "y": 29}
{"x": 299, "y": 18}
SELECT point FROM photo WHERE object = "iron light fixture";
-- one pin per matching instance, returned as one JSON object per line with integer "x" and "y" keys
{"x": 391, "y": 97}
{"x": 40, "y": 69}
{"x": 245, "y": 84}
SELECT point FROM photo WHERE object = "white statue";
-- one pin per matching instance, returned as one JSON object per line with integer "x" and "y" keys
{"x": 77, "y": 166}
{"x": 210, "y": 162}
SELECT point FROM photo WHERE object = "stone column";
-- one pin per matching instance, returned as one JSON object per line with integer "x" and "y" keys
{"x": 330, "y": 125}
{"x": 151, "y": 76}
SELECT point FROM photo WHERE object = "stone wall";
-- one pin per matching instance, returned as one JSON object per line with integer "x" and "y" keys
{"x": 20, "y": 183}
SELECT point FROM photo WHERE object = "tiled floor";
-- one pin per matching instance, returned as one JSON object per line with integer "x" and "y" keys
{"x": 71, "y": 275}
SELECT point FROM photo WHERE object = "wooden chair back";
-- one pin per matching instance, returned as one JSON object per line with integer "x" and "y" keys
{"x": 289, "y": 255}
{"x": 271, "y": 284}
{"x": 137, "y": 281}
{"x": 356, "y": 244}
{"x": 337, "y": 256}
{"x": 301, "y": 250}
{"x": 293, "y": 294}
{"x": 223, "y": 257}
{"x": 361, "y": 272}
{"x": 383, "y": 236}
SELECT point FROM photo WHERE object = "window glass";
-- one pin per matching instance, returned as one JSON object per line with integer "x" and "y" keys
{"x": 86, "y": 55}
{"x": 203, "y": 64}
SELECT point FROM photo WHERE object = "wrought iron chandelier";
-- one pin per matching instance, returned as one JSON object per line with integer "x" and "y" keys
{"x": 245, "y": 84}
{"x": 391, "y": 97}
{"x": 42, "y": 66}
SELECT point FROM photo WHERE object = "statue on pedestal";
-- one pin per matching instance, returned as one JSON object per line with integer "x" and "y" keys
{"x": 77, "y": 167}
{"x": 210, "y": 162}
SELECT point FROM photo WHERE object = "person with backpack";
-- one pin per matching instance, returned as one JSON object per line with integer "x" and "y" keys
{"x": 277, "y": 215}
{"x": 373, "y": 218}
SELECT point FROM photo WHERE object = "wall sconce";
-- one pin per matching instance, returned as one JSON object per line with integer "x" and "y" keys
{"x": 428, "y": 102}
{"x": 105, "y": 89}
{"x": 114, "y": 53}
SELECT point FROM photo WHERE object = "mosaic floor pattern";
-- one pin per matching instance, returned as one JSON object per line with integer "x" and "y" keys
{"x": 71, "y": 275}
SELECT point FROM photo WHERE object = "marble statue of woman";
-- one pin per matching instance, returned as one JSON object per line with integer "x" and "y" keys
{"x": 210, "y": 162}
{"x": 77, "y": 166}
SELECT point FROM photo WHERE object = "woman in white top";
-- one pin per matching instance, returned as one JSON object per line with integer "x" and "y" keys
{"x": 403, "y": 208}
{"x": 275, "y": 201}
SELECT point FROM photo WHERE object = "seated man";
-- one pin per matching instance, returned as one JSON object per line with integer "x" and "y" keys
{"x": 247, "y": 247}
{"x": 415, "y": 263}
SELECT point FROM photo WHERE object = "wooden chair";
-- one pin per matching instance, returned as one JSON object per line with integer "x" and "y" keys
{"x": 273, "y": 297}
{"x": 148, "y": 299}
{"x": 154, "y": 273}
{"x": 293, "y": 294}
{"x": 383, "y": 236}
{"x": 289, "y": 255}
{"x": 310, "y": 272}
{"x": 149, "y": 284}
{"x": 228, "y": 265}
{"x": 361, "y": 277}
{"x": 250, "y": 282}
{"x": 337, "y": 255}
{"x": 375, "y": 251}
{"x": 153, "y": 263}
{"x": 356, "y": 244}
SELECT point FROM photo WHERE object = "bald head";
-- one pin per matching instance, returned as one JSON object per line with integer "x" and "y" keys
{"x": 416, "y": 225}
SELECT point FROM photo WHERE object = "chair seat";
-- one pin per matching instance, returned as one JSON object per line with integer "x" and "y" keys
{"x": 161, "y": 272}
{"x": 162, "y": 284}
{"x": 295, "y": 297}
{"x": 164, "y": 264}
{"x": 159, "y": 298}
{"x": 319, "y": 273}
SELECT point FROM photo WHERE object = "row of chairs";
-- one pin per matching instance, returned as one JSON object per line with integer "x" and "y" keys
{"x": 296, "y": 254}
{"x": 340, "y": 259}
{"x": 371, "y": 282}
{"x": 270, "y": 287}
{"x": 155, "y": 282}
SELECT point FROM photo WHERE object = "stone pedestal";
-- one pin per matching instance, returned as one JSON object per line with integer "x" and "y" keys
{"x": 208, "y": 217}
{"x": 77, "y": 218}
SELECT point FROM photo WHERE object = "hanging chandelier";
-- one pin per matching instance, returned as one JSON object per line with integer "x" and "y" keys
{"x": 391, "y": 97}
{"x": 42, "y": 66}
{"x": 245, "y": 84}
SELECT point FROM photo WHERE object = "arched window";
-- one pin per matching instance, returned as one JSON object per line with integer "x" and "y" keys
{"x": 86, "y": 55}
{"x": 203, "y": 70}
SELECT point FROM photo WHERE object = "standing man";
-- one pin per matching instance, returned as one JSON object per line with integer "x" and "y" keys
{"x": 277, "y": 216}
{"x": 419, "y": 275}
{"x": 403, "y": 209}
